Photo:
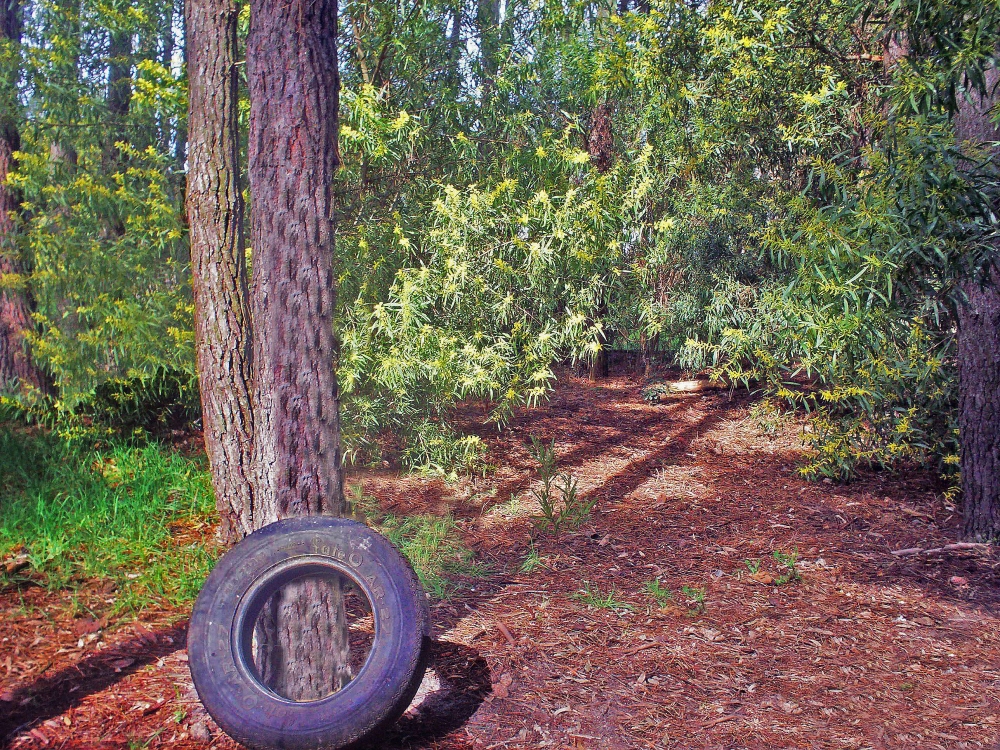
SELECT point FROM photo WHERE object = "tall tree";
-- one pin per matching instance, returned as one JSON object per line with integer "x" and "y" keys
{"x": 294, "y": 88}
{"x": 218, "y": 262}
{"x": 16, "y": 366}
{"x": 979, "y": 343}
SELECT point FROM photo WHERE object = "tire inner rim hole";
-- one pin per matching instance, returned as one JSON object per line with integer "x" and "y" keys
{"x": 307, "y": 637}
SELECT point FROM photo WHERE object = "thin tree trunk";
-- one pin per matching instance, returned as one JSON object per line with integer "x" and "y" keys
{"x": 488, "y": 21}
{"x": 979, "y": 355}
{"x": 119, "y": 94}
{"x": 600, "y": 146}
{"x": 16, "y": 366}
{"x": 294, "y": 82}
{"x": 166, "y": 57}
{"x": 218, "y": 261}
{"x": 181, "y": 142}
{"x": 455, "y": 42}
{"x": 359, "y": 50}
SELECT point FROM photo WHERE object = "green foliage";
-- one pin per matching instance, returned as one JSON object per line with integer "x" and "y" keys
{"x": 105, "y": 514}
{"x": 432, "y": 544}
{"x": 569, "y": 511}
{"x": 777, "y": 201}
{"x": 434, "y": 548}
{"x": 696, "y": 598}
{"x": 532, "y": 561}
{"x": 102, "y": 231}
{"x": 659, "y": 593}
{"x": 787, "y": 561}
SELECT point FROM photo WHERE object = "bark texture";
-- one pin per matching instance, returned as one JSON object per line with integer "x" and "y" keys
{"x": 979, "y": 408}
{"x": 16, "y": 366}
{"x": 293, "y": 78}
{"x": 294, "y": 82}
{"x": 301, "y": 655}
{"x": 979, "y": 354}
{"x": 215, "y": 213}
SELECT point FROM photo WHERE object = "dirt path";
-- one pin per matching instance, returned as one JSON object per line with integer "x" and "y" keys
{"x": 867, "y": 650}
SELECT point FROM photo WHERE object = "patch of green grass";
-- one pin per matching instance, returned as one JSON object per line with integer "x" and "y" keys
{"x": 532, "y": 561}
{"x": 659, "y": 592}
{"x": 432, "y": 544}
{"x": 593, "y": 597}
{"x": 434, "y": 548}
{"x": 80, "y": 513}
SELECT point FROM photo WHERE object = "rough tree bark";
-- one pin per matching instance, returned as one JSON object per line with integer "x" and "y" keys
{"x": 16, "y": 366}
{"x": 219, "y": 272}
{"x": 294, "y": 85}
{"x": 979, "y": 354}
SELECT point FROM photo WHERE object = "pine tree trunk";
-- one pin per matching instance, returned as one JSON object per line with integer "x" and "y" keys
{"x": 294, "y": 82}
{"x": 600, "y": 147}
{"x": 488, "y": 23}
{"x": 979, "y": 355}
{"x": 219, "y": 273}
{"x": 979, "y": 408}
{"x": 16, "y": 366}
{"x": 119, "y": 95}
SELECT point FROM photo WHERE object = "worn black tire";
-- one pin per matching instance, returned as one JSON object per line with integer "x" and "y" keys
{"x": 255, "y": 716}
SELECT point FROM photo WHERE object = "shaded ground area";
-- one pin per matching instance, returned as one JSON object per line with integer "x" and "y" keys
{"x": 562, "y": 645}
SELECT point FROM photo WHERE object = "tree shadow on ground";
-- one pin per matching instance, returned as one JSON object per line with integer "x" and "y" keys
{"x": 463, "y": 683}
{"x": 54, "y": 694}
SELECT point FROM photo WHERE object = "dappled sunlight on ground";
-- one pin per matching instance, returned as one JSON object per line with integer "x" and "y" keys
{"x": 564, "y": 644}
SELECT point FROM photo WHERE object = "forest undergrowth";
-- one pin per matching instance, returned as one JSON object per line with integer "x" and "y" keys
{"x": 710, "y": 598}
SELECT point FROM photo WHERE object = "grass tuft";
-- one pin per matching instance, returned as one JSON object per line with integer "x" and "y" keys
{"x": 113, "y": 514}
{"x": 433, "y": 546}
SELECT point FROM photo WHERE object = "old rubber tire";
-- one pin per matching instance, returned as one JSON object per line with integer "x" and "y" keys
{"x": 256, "y": 567}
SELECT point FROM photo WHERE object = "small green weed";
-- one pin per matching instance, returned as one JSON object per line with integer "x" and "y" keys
{"x": 753, "y": 565}
{"x": 532, "y": 561}
{"x": 573, "y": 510}
{"x": 696, "y": 599}
{"x": 787, "y": 560}
{"x": 660, "y": 593}
{"x": 592, "y": 597}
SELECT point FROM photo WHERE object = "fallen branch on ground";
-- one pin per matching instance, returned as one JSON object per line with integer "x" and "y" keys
{"x": 946, "y": 548}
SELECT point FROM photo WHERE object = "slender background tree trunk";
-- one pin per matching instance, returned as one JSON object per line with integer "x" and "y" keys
{"x": 16, "y": 366}
{"x": 219, "y": 272}
{"x": 601, "y": 148}
{"x": 119, "y": 96}
{"x": 294, "y": 85}
{"x": 979, "y": 354}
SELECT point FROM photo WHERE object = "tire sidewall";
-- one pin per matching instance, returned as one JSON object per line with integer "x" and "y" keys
{"x": 255, "y": 716}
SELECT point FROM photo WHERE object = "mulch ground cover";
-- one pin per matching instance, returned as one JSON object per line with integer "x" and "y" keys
{"x": 863, "y": 649}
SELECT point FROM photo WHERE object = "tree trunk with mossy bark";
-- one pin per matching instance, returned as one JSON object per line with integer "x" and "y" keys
{"x": 294, "y": 88}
